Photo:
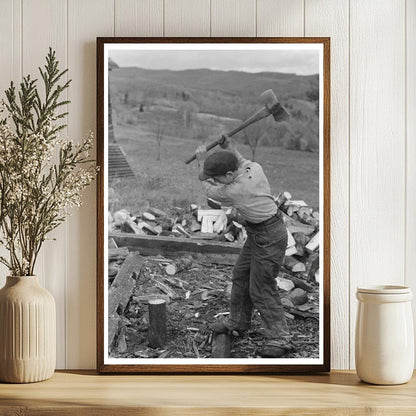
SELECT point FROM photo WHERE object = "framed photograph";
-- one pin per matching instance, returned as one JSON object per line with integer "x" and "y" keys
{"x": 213, "y": 205}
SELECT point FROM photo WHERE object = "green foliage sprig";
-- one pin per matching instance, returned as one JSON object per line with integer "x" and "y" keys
{"x": 41, "y": 175}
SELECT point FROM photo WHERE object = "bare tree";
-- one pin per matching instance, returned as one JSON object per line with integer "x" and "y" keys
{"x": 161, "y": 126}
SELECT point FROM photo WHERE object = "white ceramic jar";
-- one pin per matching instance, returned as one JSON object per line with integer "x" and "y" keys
{"x": 384, "y": 337}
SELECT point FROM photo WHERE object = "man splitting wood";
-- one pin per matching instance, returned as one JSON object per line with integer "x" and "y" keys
{"x": 230, "y": 179}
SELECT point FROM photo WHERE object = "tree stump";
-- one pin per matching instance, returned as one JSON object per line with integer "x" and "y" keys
{"x": 157, "y": 323}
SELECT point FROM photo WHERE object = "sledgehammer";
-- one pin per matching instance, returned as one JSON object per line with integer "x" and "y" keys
{"x": 271, "y": 107}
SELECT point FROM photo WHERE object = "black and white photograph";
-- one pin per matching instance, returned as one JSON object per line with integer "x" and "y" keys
{"x": 214, "y": 229}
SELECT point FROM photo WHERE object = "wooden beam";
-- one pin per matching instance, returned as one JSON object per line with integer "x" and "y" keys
{"x": 201, "y": 250}
{"x": 121, "y": 290}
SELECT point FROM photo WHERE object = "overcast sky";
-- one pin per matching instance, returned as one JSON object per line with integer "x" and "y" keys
{"x": 301, "y": 62}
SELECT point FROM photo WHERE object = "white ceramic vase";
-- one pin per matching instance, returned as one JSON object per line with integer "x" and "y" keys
{"x": 384, "y": 340}
{"x": 27, "y": 331}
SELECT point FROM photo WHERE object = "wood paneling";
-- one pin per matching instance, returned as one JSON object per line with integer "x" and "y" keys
{"x": 373, "y": 131}
{"x": 138, "y": 17}
{"x": 233, "y": 18}
{"x": 377, "y": 140}
{"x": 44, "y": 25}
{"x": 10, "y": 65}
{"x": 86, "y": 21}
{"x": 330, "y": 18}
{"x": 280, "y": 18}
{"x": 187, "y": 18}
{"x": 410, "y": 231}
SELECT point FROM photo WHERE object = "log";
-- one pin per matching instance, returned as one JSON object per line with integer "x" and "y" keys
{"x": 183, "y": 263}
{"x": 148, "y": 216}
{"x": 297, "y": 281}
{"x": 221, "y": 346}
{"x": 157, "y": 323}
{"x": 298, "y": 296}
{"x": 294, "y": 265}
{"x": 121, "y": 291}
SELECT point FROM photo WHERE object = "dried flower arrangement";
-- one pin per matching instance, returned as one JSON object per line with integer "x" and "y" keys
{"x": 42, "y": 176}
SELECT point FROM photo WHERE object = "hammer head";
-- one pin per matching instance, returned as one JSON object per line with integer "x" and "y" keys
{"x": 270, "y": 101}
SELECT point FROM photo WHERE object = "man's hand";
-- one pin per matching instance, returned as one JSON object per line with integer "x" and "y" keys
{"x": 227, "y": 142}
{"x": 201, "y": 153}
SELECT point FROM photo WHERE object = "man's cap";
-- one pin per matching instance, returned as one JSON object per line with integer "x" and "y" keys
{"x": 219, "y": 163}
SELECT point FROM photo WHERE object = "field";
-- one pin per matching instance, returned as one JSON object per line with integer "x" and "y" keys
{"x": 160, "y": 117}
{"x": 170, "y": 182}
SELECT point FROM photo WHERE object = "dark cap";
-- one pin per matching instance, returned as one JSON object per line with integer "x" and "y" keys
{"x": 219, "y": 163}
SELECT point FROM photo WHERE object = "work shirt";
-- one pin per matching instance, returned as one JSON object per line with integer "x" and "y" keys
{"x": 249, "y": 192}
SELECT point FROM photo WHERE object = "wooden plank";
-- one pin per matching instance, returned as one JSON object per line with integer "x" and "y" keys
{"x": 44, "y": 25}
{"x": 233, "y": 18}
{"x": 86, "y": 20}
{"x": 85, "y": 393}
{"x": 204, "y": 251}
{"x": 377, "y": 140}
{"x": 121, "y": 290}
{"x": 410, "y": 261}
{"x": 331, "y": 18}
{"x": 187, "y": 18}
{"x": 138, "y": 17}
{"x": 280, "y": 18}
{"x": 10, "y": 67}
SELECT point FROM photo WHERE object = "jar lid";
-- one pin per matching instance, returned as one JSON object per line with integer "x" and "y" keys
{"x": 384, "y": 289}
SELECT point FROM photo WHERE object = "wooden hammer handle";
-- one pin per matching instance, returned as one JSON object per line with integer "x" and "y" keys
{"x": 209, "y": 147}
{"x": 263, "y": 113}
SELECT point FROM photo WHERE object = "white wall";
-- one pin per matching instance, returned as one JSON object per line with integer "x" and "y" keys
{"x": 373, "y": 132}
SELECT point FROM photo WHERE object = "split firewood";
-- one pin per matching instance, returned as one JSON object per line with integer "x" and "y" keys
{"x": 298, "y": 227}
{"x": 294, "y": 311}
{"x": 195, "y": 226}
{"x": 157, "y": 212}
{"x": 208, "y": 212}
{"x": 166, "y": 289}
{"x": 242, "y": 236}
{"x": 148, "y": 216}
{"x": 193, "y": 207}
{"x": 284, "y": 284}
{"x": 291, "y": 209}
{"x": 305, "y": 211}
{"x": 313, "y": 243}
{"x": 294, "y": 265}
{"x": 183, "y": 263}
{"x": 121, "y": 343}
{"x": 213, "y": 204}
{"x": 131, "y": 227}
{"x": 180, "y": 229}
{"x": 112, "y": 243}
{"x": 282, "y": 198}
{"x": 115, "y": 254}
{"x": 221, "y": 223}
{"x": 149, "y": 228}
{"x": 298, "y": 296}
{"x": 315, "y": 214}
{"x": 157, "y": 323}
{"x": 300, "y": 241}
{"x": 287, "y": 303}
{"x": 121, "y": 216}
{"x": 298, "y": 282}
{"x": 291, "y": 245}
{"x": 229, "y": 237}
{"x": 298, "y": 203}
{"x": 317, "y": 276}
{"x": 207, "y": 225}
{"x": 312, "y": 265}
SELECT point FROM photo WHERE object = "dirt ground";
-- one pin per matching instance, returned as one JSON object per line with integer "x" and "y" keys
{"x": 200, "y": 294}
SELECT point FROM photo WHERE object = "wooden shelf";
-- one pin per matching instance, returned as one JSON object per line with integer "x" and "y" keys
{"x": 86, "y": 393}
